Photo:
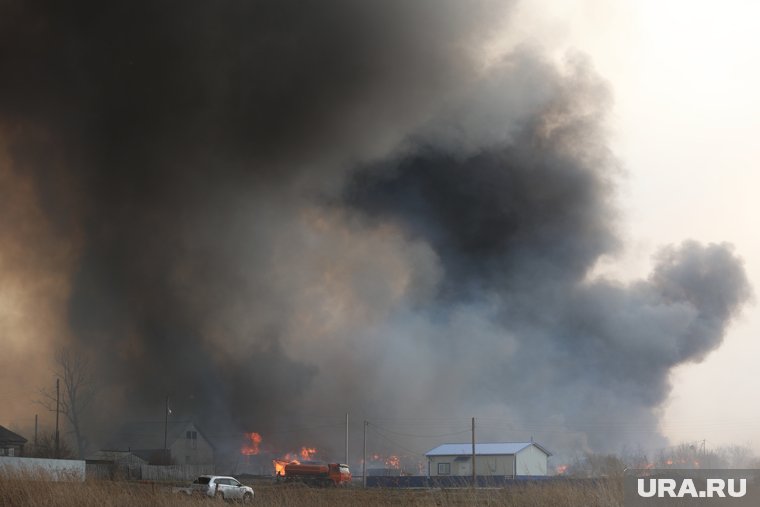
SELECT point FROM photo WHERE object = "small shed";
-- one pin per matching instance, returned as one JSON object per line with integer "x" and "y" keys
{"x": 11, "y": 444}
{"x": 114, "y": 465}
{"x": 500, "y": 459}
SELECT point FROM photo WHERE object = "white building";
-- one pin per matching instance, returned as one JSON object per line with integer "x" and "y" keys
{"x": 507, "y": 459}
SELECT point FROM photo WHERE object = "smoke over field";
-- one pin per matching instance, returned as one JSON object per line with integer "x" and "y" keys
{"x": 278, "y": 211}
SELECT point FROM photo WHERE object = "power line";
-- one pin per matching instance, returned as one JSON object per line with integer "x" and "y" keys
{"x": 440, "y": 435}
{"x": 390, "y": 440}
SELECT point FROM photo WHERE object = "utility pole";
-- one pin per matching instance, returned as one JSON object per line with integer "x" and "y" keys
{"x": 364, "y": 457}
{"x": 346, "y": 438}
{"x": 57, "y": 413}
{"x": 166, "y": 423}
{"x": 473, "y": 453}
{"x": 34, "y": 449}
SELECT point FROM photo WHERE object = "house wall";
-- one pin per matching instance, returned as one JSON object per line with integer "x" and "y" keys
{"x": 532, "y": 461}
{"x": 192, "y": 452}
{"x": 495, "y": 465}
{"x": 501, "y": 465}
{"x": 9, "y": 449}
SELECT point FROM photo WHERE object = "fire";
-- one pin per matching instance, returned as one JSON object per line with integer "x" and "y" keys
{"x": 391, "y": 461}
{"x": 252, "y": 447}
{"x": 279, "y": 466}
{"x": 308, "y": 452}
{"x": 561, "y": 469}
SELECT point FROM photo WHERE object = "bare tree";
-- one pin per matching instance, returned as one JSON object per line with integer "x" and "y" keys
{"x": 596, "y": 465}
{"x": 46, "y": 447}
{"x": 635, "y": 458}
{"x": 690, "y": 455}
{"x": 77, "y": 392}
{"x": 737, "y": 456}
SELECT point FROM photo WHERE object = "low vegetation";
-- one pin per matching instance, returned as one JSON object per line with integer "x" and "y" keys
{"x": 19, "y": 492}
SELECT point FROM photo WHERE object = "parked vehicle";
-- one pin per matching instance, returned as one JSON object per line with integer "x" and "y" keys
{"x": 222, "y": 487}
{"x": 316, "y": 474}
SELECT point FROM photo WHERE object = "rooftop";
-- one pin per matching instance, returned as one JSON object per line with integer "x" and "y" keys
{"x": 7, "y": 436}
{"x": 483, "y": 449}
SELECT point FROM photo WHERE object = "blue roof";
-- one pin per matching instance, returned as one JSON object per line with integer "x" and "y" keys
{"x": 483, "y": 449}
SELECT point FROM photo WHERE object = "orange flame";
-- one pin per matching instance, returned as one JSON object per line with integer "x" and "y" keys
{"x": 308, "y": 452}
{"x": 279, "y": 466}
{"x": 561, "y": 469}
{"x": 253, "y": 447}
{"x": 391, "y": 461}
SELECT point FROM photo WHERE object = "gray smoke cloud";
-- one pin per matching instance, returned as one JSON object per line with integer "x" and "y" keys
{"x": 283, "y": 211}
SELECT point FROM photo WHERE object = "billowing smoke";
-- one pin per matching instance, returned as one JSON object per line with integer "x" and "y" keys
{"x": 281, "y": 211}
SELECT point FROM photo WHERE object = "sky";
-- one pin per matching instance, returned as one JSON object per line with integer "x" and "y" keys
{"x": 252, "y": 207}
{"x": 685, "y": 119}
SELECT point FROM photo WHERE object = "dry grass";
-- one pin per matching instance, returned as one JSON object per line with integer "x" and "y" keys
{"x": 26, "y": 492}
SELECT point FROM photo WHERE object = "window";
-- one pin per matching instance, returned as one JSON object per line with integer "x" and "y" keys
{"x": 444, "y": 468}
{"x": 2, "y": 451}
{"x": 191, "y": 439}
{"x": 11, "y": 451}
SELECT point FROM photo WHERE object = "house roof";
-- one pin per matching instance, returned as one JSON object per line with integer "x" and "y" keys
{"x": 483, "y": 449}
{"x": 9, "y": 437}
{"x": 150, "y": 435}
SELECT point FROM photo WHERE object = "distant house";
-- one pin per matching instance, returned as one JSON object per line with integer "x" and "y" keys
{"x": 11, "y": 444}
{"x": 506, "y": 459}
{"x": 185, "y": 443}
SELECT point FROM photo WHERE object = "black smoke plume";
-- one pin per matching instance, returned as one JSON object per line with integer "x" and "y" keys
{"x": 280, "y": 211}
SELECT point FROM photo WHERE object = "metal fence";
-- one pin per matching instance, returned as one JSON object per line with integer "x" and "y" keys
{"x": 482, "y": 481}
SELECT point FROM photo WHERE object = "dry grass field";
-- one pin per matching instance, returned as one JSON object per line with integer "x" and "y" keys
{"x": 25, "y": 492}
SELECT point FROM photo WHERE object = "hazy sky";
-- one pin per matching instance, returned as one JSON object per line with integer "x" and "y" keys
{"x": 686, "y": 117}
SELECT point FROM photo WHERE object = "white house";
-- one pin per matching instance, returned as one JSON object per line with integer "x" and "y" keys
{"x": 505, "y": 459}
